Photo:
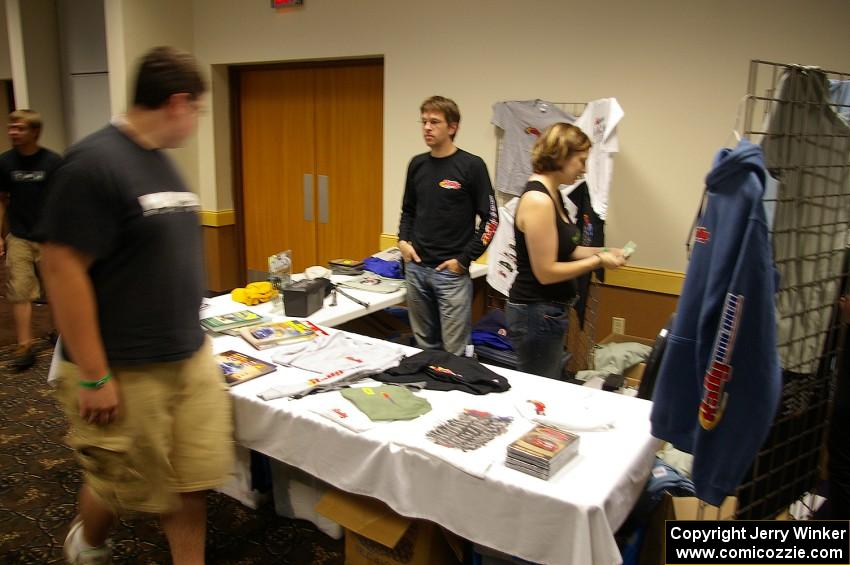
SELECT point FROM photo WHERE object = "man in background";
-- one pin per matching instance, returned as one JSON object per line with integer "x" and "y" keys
{"x": 446, "y": 189}
{"x": 24, "y": 172}
{"x": 149, "y": 414}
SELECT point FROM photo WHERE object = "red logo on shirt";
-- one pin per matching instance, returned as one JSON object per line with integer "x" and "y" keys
{"x": 450, "y": 184}
{"x": 532, "y": 131}
{"x": 702, "y": 235}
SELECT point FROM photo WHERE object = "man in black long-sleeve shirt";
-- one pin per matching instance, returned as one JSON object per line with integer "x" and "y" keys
{"x": 446, "y": 189}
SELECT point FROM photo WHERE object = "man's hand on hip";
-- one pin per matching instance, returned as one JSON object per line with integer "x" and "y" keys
{"x": 408, "y": 253}
{"x": 453, "y": 265}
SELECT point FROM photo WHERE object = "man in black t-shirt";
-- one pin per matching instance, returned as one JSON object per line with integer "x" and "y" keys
{"x": 24, "y": 172}
{"x": 445, "y": 190}
{"x": 149, "y": 414}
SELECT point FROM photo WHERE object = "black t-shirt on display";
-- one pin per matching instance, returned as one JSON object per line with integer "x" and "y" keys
{"x": 127, "y": 208}
{"x": 526, "y": 288}
{"x": 25, "y": 178}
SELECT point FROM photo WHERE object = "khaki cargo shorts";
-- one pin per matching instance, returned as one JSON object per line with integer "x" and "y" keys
{"x": 174, "y": 433}
{"x": 22, "y": 256}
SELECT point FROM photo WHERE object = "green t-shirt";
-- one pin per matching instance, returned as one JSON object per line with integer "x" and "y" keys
{"x": 387, "y": 402}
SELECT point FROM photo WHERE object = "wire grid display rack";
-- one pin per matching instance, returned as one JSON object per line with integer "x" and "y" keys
{"x": 581, "y": 336}
{"x": 789, "y": 112}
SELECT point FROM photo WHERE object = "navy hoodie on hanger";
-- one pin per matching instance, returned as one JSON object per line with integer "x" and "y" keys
{"x": 719, "y": 383}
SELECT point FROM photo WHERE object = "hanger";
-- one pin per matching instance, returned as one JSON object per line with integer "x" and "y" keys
{"x": 736, "y": 133}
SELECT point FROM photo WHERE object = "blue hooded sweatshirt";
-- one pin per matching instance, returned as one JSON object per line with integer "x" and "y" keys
{"x": 719, "y": 382}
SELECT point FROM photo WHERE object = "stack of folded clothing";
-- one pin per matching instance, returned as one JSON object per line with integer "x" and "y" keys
{"x": 386, "y": 263}
{"x": 490, "y": 338}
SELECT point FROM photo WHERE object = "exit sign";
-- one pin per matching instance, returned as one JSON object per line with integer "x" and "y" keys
{"x": 286, "y": 3}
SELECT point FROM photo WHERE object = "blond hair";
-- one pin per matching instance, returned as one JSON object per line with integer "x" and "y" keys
{"x": 555, "y": 145}
{"x": 29, "y": 117}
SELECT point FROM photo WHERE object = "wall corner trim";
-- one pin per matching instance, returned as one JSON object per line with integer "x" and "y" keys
{"x": 218, "y": 218}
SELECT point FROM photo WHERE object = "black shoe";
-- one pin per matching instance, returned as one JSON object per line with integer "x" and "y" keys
{"x": 24, "y": 358}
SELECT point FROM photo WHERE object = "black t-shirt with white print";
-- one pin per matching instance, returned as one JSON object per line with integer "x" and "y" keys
{"x": 25, "y": 178}
{"x": 127, "y": 208}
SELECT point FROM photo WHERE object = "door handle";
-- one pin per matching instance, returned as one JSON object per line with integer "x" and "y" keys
{"x": 308, "y": 197}
{"x": 323, "y": 199}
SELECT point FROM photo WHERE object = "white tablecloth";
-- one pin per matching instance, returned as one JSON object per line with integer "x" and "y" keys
{"x": 568, "y": 519}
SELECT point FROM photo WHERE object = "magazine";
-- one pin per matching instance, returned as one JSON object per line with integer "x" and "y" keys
{"x": 232, "y": 320}
{"x": 271, "y": 334}
{"x": 238, "y": 367}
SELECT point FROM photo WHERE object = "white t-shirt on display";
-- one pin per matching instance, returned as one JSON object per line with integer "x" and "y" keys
{"x": 522, "y": 122}
{"x": 599, "y": 122}
{"x": 501, "y": 255}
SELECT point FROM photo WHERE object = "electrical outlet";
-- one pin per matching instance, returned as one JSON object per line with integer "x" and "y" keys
{"x": 618, "y": 325}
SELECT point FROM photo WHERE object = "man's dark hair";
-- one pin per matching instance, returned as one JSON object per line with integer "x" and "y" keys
{"x": 447, "y": 106}
{"x": 163, "y": 72}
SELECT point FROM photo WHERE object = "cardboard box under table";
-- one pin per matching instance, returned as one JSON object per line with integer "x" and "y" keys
{"x": 634, "y": 374}
{"x": 678, "y": 508}
{"x": 376, "y": 534}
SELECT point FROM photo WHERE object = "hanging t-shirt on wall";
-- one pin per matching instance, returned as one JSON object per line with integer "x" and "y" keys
{"x": 599, "y": 122}
{"x": 522, "y": 122}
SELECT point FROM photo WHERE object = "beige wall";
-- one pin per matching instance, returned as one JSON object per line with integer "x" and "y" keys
{"x": 678, "y": 69}
{"x": 5, "y": 61}
{"x": 43, "y": 69}
{"x": 132, "y": 28}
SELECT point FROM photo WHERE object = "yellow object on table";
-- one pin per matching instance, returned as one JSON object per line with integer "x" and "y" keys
{"x": 254, "y": 293}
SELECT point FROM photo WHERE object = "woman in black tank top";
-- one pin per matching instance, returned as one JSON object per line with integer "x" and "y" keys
{"x": 548, "y": 255}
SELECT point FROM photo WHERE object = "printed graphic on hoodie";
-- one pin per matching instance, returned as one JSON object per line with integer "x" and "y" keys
{"x": 719, "y": 370}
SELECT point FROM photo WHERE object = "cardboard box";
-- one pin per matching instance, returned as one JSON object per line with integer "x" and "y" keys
{"x": 634, "y": 374}
{"x": 678, "y": 508}
{"x": 374, "y": 533}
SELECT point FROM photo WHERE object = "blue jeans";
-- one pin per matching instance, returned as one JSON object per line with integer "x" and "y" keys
{"x": 440, "y": 306}
{"x": 538, "y": 332}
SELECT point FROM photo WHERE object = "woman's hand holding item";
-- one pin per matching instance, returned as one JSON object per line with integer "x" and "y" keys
{"x": 613, "y": 258}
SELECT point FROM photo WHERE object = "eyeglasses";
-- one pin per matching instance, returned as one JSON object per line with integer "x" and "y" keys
{"x": 433, "y": 122}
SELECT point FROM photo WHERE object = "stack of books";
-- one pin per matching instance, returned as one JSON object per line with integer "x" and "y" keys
{"x": 272, "y": 334}
{"x": 543, "y": 451}
{"x": 227, "y": 322}
{"x": 346, "y": 266}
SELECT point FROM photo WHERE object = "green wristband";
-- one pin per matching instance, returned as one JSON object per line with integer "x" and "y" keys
{"x": 98, "y": 383}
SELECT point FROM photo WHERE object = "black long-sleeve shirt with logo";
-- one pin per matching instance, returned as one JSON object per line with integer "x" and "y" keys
{"x": 443, "y": 196}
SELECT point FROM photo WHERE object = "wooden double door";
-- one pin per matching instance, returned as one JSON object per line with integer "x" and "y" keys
{"x": 311, "y": 148}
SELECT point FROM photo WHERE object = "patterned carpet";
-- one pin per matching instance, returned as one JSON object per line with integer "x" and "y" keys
{"x": 39, "y": 480}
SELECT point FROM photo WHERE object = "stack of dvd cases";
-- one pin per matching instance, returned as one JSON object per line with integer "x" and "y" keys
{"x": 543, "y": 451}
